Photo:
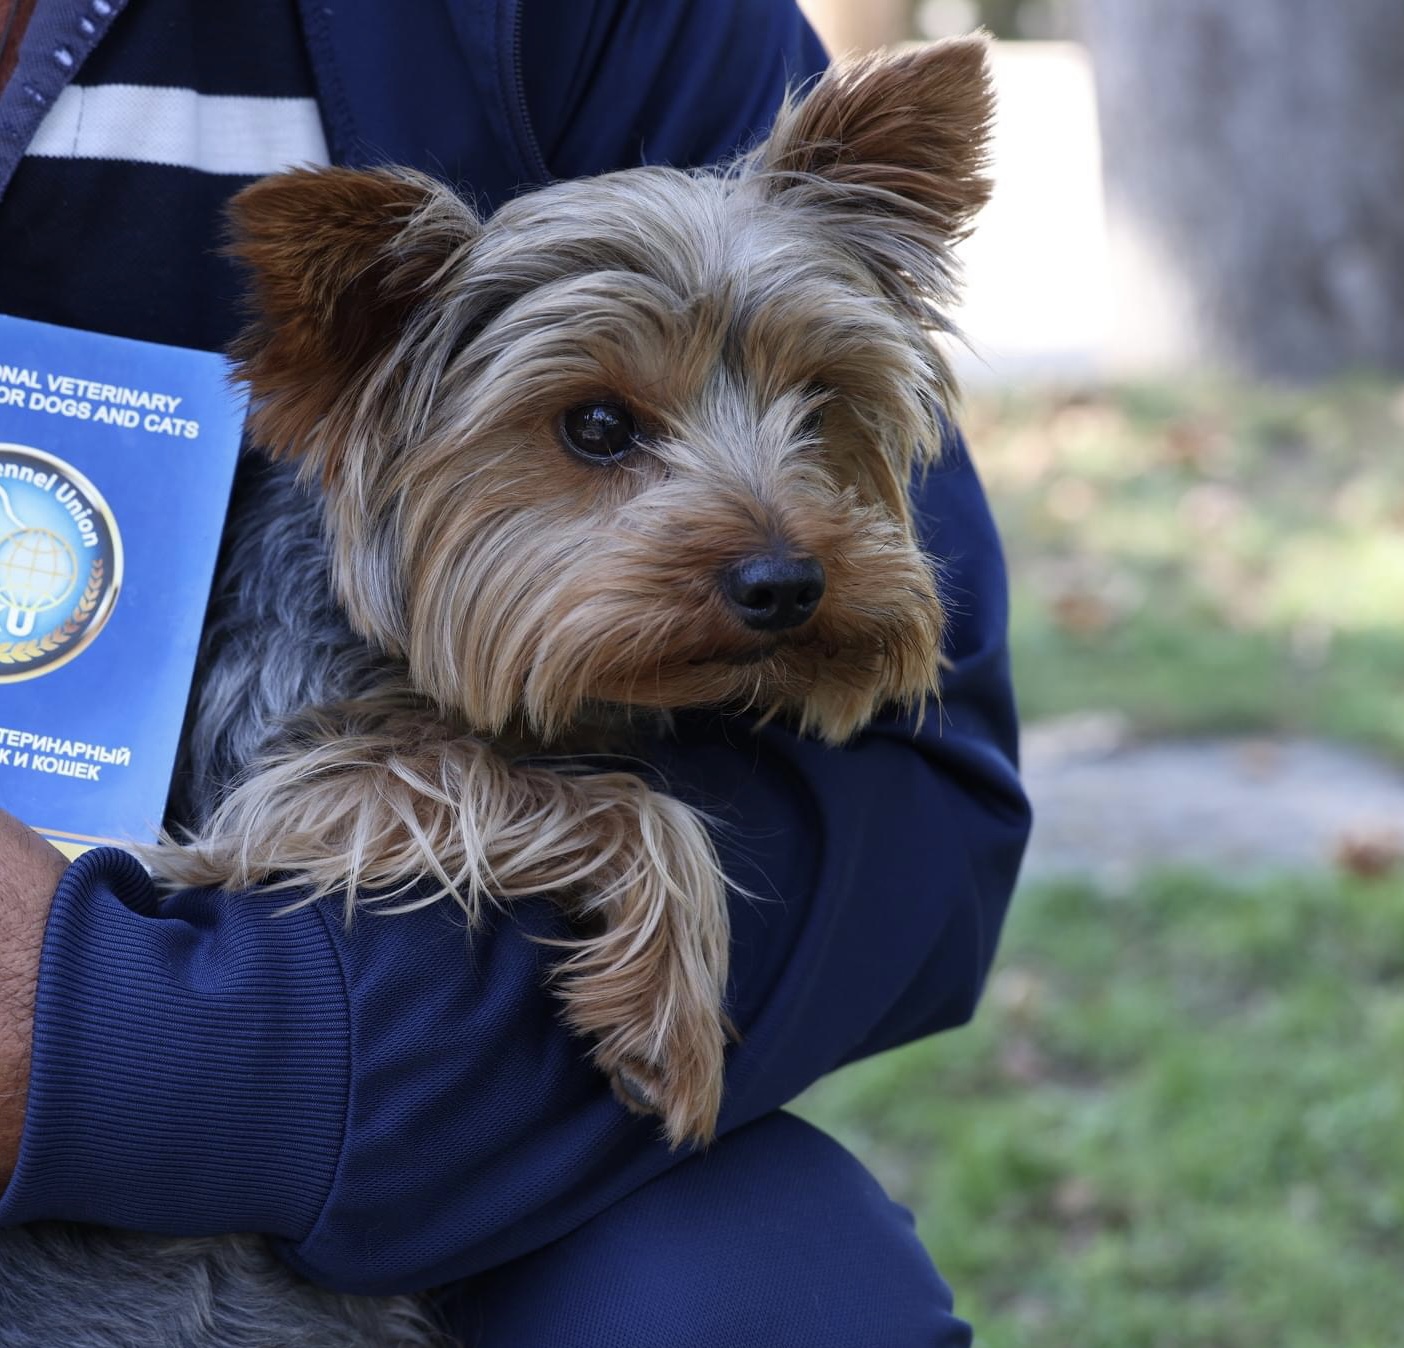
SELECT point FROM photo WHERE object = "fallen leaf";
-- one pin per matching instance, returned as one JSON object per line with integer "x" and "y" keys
{"x": 1082, "y": 613}
{"x": 1370, "y": 853}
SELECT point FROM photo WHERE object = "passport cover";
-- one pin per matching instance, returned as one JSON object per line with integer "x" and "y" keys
{"x": 116, "y": 461}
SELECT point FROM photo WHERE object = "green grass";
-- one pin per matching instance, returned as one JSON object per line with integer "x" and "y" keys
{"x": 1206, "y": 558}
{"x": 1178, "y": 1121}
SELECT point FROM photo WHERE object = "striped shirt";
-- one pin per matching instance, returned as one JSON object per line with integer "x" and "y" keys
{"x": 125, "y": 127}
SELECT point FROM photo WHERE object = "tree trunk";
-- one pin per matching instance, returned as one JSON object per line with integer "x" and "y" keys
{"x": 1253, "y": 155}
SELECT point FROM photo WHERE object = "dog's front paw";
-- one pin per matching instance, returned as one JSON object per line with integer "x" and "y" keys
{"x": 655, "y": 1014}
{"x": 647, "y": 987}
{"x": 681, "y": 1084}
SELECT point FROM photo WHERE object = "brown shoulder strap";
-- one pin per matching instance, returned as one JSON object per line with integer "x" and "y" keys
{"x": 14, "y": 15}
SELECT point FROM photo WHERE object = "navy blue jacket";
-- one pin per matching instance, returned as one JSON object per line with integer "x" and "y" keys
{"x": 397, "y": 1105}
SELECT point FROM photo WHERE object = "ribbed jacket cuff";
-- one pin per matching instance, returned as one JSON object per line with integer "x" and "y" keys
{"x": 190, "y": 1064}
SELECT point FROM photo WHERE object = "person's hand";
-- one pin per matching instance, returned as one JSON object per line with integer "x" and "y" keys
{"x": 29, "y": 874}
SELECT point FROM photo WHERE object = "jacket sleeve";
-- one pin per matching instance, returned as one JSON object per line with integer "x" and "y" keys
{"x": 398, "y": 1105}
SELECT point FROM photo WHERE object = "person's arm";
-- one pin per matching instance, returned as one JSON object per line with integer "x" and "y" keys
{"x": 29, "y": 873}
{"x": 400, "y": 1105}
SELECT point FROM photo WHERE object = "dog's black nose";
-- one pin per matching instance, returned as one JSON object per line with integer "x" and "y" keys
{"x": 773, "y": 593}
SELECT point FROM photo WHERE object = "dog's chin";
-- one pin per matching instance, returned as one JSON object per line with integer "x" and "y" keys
{"x": 825, "y": 688}
{"x": 826, "y": 680}
{"x": 742, "y": 659}
{"x": 766, "y": 676}
{"x": 829, "y": 696}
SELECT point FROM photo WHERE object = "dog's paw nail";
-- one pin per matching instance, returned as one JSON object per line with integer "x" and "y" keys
{"x": 634, "y": 1092}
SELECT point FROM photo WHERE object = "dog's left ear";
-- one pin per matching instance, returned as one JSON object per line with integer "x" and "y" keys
{"x": 902, "y": 138}
{"x": 339, "y": 262}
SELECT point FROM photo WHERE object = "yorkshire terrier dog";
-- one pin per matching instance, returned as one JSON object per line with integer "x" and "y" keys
{"x": 633, "y": 444}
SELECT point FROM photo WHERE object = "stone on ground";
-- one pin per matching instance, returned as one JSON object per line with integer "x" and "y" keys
{"x": 1109, "y": 807}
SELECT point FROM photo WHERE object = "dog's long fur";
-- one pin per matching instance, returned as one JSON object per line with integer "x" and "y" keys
{"x": 393, "y": 713}
{"x": 275, "y": 639}
{"x": 78, "y": 1287}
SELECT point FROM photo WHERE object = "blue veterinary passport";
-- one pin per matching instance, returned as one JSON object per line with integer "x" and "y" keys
{"x": 116, "y": 460}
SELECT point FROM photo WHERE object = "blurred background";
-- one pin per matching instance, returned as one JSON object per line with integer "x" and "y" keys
{"x": 1179, "y": 1117}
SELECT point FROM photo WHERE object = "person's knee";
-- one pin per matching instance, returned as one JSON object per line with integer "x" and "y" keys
{"x": 776, "y": 1307}
{"x": 776, "y": 1238}
{"x": 801, "y": 1246}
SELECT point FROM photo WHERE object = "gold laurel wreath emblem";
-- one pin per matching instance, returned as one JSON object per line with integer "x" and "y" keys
{"x": 25, "y": 652}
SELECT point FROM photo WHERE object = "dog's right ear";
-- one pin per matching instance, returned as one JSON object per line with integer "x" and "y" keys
{"x": 339, "y": 262}
{"x": 901, "y": 135}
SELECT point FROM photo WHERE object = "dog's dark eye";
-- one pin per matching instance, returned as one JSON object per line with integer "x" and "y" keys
{"x": 600, "y": 430}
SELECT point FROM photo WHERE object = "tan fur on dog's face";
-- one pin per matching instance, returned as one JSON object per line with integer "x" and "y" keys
{"x": 768, "y": 330}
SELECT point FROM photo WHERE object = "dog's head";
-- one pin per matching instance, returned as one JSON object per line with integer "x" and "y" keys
{"x": 643, "y": 439}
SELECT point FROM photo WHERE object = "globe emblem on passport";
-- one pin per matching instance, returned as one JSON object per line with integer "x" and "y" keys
{"x": 60, "y": 562}
{"x": 37, "y": 571}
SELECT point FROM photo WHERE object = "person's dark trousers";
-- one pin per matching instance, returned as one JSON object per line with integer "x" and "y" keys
{"x": 774, "y": 1238}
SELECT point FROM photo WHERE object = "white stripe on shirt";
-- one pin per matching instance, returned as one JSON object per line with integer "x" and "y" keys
{"x": 214, "y": 133}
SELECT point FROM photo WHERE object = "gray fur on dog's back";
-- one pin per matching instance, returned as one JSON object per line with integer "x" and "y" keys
{"x": 275, "y": 639}
{"x": 81, "y": 1287}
